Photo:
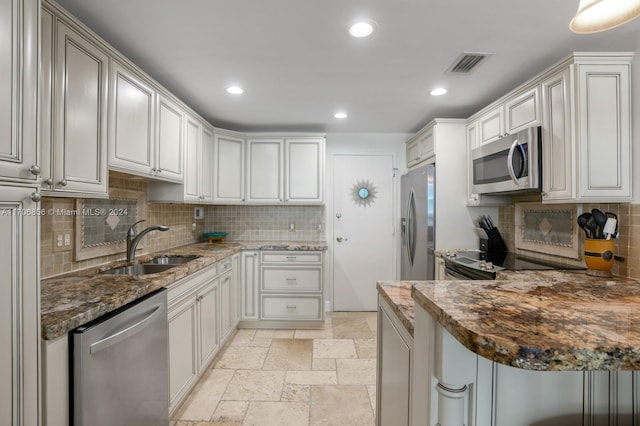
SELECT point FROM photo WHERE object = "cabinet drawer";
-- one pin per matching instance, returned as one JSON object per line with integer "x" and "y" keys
{"x": 224, "y": 265}
{"x": 178, "y": 290}
{"x": 291, "y": 307}
{"x": 292, "y": 279}
{"x": 292, "y": 257}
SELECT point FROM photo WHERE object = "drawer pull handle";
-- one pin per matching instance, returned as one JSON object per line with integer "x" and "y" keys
{"x": 292, "y": 258}
{"x": 292, "y": 307}
{"x": 291, "y": 281}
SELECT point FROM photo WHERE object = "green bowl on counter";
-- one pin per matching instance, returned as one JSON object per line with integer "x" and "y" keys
{"x": 214, "y": 236}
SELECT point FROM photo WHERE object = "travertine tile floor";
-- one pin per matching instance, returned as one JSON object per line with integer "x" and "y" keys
{"x": 291, "y": 377}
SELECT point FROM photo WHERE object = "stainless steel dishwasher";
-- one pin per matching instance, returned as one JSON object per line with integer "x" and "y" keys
{"x": 119, "y": 366}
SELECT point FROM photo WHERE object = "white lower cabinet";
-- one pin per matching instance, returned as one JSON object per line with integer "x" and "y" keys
{"x": 291, "y": 286}
{"x": 199, "y": 323}
{"x": 454, "y": 386}
{"x": 250, "y": 285}
{"x": 282, "y": 289}
{"x": 394, "y": 375}
{"x": 19, "y": 308}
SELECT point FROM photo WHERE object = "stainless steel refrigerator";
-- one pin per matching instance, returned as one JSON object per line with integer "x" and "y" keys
{"x": 417, "y": 223}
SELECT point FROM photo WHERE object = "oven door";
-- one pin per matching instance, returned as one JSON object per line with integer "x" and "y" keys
{"x": 509, "y": 164}
{"x": 451, "y": 275}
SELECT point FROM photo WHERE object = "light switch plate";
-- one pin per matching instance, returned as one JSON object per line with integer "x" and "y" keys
{"x": 198, "y": 213}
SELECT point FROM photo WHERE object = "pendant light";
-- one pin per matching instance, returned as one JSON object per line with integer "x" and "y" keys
{"x": 599, "y": 15}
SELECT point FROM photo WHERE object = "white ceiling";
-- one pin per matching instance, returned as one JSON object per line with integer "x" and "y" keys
{"x": 298, "y": 66}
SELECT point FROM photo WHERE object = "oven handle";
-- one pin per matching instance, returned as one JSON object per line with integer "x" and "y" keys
{"x": 455, "y": 275}
{"x": 512, "y": 172}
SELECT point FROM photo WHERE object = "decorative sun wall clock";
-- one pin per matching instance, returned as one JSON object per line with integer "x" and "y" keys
{"x": 363, "y": 193}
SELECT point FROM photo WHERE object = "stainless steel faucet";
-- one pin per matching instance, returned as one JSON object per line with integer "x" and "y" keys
{"x": 133, "y": 240}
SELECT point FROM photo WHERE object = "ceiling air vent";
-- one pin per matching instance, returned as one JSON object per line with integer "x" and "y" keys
{"x": 467, "y": 62}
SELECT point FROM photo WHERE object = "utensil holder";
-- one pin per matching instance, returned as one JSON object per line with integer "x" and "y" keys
{"x": 598, "y": 256}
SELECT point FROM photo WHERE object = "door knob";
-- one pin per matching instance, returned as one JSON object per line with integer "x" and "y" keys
{"x": 340, "y": 239}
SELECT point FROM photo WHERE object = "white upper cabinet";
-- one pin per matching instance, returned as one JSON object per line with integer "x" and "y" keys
{"x": 519, "y": 111}
{"x": 265, "y": 170}
{"x": 522, "y": 111}
{"x": 304, "y": 171}
{"x": 198, "y": 181}
{"x": 557, "y": 149}
{"x": 169, "y": 137}
{"x": 131, "y": 121}
{"x": 78, "y": 155}
{"x": 587, "y": 130}
{"x": 18, "y": 90}
{"x": 491, "y": 125}
{"x": 228, "y": 179}
{"x": 583, "y": 105}
{"x": 420, "y": 148}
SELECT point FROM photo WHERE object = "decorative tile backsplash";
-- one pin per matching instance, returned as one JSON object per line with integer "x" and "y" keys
{"x": 627, "y": 245}
{"x": 267, "y": 223}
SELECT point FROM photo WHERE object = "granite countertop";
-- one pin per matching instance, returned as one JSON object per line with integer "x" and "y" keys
{"x": 542, "y": 320}
{"x": 398, "y": 295}
{"x": 70, "y": 300}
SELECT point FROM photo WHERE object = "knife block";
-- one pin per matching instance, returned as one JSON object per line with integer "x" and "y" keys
{"x": 494, "y": 244}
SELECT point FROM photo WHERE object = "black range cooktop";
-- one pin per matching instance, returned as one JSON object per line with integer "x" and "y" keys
{"x": 479, "y": 265}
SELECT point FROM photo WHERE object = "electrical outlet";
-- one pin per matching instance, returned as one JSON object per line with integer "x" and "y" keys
{"x": 292, "y": 227}
{"x": 59, "y": 240}
{"x": 198, "y": 213}
{"x": 62, "y": 241}
{"x": 67, "y": 240}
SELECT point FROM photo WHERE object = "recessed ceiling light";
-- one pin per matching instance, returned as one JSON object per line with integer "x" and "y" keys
{"x": 362, "y": 28}
{"x": 235, "y": 90}
{"x": 439, "y": 91}
{"x": 340, "y": 115}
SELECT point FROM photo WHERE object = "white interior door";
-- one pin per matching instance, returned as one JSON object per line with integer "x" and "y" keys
{"x": 363, "y": 241}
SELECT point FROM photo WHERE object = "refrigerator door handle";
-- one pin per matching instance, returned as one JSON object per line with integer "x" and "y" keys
{"x": 411, "y": 231}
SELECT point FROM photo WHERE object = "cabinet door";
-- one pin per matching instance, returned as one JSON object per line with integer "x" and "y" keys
{"x": 236, "y": 299}
{"x": 304, "y": 173}
{"x": 183, "y": 366}
{"x": 80, "y": 110}
{"x": 19, "y": 316}
{"x": 206, "y": 163}
{"x": 18, "y": 88}
{"x": 426, "y": 145}
{"x": 491, "y": 125}
{"x": 557, "y": 161}
{"x": 523, "y": 111}
{"x": 226, "y": 308}
{"x": 394, "y": 374}
{"x": 228, "y": 177}
{"x": 604, "y": 141}
{"x": 45, "y": 99}
{"x": 169, "y": 140}
{"x": 264, "y": 171}
{"x": 193, "y": 159}
{"x": 131, "y": 121}
{"x": 413, "y": 153}
{"x": 208, "y": 331}
{"x": 250, "y": 283}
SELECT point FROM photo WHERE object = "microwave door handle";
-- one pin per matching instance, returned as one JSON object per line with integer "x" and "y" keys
{"x": 512, "y": 150}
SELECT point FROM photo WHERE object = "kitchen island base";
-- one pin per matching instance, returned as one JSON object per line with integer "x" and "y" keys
{"x": 453, "y": 386}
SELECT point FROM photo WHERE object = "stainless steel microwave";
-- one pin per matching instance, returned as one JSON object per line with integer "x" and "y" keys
{"x": 510, "y": 164}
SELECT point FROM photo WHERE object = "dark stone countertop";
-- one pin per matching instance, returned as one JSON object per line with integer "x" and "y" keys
{"x": 70, "y": 300}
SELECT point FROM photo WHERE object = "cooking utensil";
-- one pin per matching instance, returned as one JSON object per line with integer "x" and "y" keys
{"x": 589, "y": 224}
{"x": 613, "y": 216}
{"x": 583, "y": 222}
{"x": 600, "y": 220}
{"x": 610, "y": 228}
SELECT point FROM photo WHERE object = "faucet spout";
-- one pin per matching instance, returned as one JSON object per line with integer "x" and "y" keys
{"x": 133, "y": 240}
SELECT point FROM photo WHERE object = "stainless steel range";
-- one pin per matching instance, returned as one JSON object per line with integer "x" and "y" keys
{"x": 475, "y": 265}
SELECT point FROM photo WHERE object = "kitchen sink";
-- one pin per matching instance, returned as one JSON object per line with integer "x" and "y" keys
{"x": 139, "y": 269}
{"x": 170, "y": 260}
